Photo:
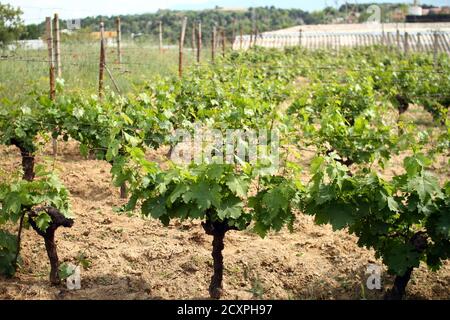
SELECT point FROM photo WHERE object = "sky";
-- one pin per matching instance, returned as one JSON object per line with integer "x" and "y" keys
{"x": 35, "y": 11}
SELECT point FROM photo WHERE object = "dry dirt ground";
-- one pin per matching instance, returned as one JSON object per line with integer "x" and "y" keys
{"x": 135, "y": 258}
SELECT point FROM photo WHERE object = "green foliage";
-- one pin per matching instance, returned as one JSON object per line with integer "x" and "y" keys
{"x": 11, "y": 24}
{"x": 20, "y": 126}
{"x": 212, "y": 191}
{"x": 19, "y": 197}
{"x": 385, "y": 215}
{"x": 8, "y": 250}
{"x": 269, "y": 18}
{"x": 65, "y": 271}
{"x": 342, "y": 112}
{"x": 273, "y": 204}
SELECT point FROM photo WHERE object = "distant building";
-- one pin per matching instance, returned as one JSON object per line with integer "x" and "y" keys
{"x": 231, "y": 9}
{"x": 419, "y": 14}
{"x": 37, "y": 44}
{"x": 415, "y": 11}
{"x": 67, "y": 31}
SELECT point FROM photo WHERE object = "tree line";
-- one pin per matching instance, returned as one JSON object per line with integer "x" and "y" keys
{"x": 251, "y": 20}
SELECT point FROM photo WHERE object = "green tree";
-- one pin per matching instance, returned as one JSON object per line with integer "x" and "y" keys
{"x": 11, "y": 24}
{"x": 32, "y": 31}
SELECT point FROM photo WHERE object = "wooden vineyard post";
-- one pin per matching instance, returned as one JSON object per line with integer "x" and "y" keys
{"x": 57, "y": 46}
{"x": 406, "y": 45}
{"x": 435, "y": 49}
{"x": 193, "y": 37}
{"x": 224, "y": 41}
{"x": 419, "y": 42}
{"x": 242, "y": 36}
{"x": 48, "y": 26}
{"x": 398, "y": 39}
{"x": 119, "y": 41}
{"x": 300, "y": 36}
{"x": 123, "y": 187}
{"x": 180, "y": 60}
{"x": 160, "y": 37}
{"x": 253, "y": 30}
{"x": 199, "y": 42}
{"x": 233, "y": 34}
{"x": 52, "y": 76}
{"x": 213, "y": 44}
{"x": 391, "y": 41}
{"x": 101, "y": 73}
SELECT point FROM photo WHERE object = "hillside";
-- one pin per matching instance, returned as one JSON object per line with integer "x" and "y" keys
{"x": 263, "y": 19}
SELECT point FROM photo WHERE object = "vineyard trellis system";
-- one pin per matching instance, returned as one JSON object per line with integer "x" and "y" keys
{"x": 339, "y": 113}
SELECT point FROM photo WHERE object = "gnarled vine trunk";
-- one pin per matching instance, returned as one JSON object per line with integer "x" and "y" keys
{"x": 346, "y": 162}
{"x": 28, "y": 166}
{"x": 399, "y": 288}
{"x": 52, "y": 254}
{"x": 28, "y": 160}
{"x": 123, "y": 187}
{"x": 217, "y": 229}
{"x": 123, "y": 191}
{"x": 398, "y": 291}
{"x": 403, "y": 104}
{"x": 58, "y": 220}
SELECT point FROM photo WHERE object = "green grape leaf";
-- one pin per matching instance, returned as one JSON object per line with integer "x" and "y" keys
{"x": 43, "y": 220}
{"x": 238, "y": 186}
{"x": 155, "y": 207}
{"x": 400, "y": 256}
{"x": 204, "y": 195}
{"x": 425, "y": 185}
{"x": 338, "y": 215}
{"x": 230, "y": 208}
